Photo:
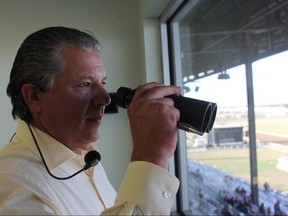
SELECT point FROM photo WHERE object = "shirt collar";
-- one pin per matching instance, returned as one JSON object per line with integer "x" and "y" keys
{"x": 54, "y": 152}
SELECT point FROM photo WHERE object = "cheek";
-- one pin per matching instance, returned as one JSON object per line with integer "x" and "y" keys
{"x": 67, "y": 107}
{"x": 73, "y": 108}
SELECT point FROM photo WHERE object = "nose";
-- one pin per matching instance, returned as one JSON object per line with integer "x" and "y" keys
{"x": 101, "y": 97}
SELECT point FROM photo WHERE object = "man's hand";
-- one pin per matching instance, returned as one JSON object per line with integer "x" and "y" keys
{"x": 153, "y": 123}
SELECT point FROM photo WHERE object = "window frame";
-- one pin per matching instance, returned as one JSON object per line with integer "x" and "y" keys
{"x": 172, "y": 75}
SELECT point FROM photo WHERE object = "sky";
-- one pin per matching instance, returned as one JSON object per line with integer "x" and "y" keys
{"x": 270, "y": 77}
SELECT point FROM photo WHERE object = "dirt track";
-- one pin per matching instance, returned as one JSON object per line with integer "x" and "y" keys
{"x": 272, "y": 137}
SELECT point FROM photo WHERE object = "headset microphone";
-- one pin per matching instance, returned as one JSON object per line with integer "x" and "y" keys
{"x": 92, "y": 158}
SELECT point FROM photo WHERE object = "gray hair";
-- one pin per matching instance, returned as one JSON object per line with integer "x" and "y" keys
{"x": 39, "y": 60}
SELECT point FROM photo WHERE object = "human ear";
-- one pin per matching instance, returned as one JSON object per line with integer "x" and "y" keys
{"x": 31, "y": 96}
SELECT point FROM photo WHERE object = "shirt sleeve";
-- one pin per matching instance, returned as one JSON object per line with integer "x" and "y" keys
{"x": 146, "y": 189}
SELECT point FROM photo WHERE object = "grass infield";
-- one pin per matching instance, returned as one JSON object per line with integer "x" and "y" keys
{"x": 237, "y": 163}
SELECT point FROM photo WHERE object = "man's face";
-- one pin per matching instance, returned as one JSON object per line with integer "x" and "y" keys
{"x": 73, "y": 111}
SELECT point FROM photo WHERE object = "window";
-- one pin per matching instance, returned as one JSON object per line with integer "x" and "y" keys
{"x": 232, "y": 53}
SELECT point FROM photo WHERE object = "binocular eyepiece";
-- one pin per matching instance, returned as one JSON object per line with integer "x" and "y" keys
{"x": 196, "y": 116}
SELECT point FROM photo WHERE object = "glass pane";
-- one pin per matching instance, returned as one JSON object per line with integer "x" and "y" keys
{"x": 271, "y": 111}
{"x": 218, "y": 162}
{"x": 217, "y": 42}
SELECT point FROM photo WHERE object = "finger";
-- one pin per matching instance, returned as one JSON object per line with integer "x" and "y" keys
{"x": 156, "y": 90}
{"x": 167, "y": 106}
{"x": 165, "y": 101}
{"x": 143, "y": 89}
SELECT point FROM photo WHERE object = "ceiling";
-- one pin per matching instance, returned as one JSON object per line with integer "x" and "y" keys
{"x": 221, "y": 34}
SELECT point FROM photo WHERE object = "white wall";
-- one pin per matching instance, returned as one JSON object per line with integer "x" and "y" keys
{"x": 124, "y": 34}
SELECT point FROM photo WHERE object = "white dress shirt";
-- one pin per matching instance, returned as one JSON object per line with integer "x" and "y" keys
{"x": 26, "y": 188}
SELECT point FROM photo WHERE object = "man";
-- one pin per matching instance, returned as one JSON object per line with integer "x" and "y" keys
{"x": 57, "y": 89}
{"x": 277, "y": 209}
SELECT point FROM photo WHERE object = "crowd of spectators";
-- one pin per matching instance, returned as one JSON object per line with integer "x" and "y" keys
{"x": 232, "y": 195}
{"x": 241, "y": 202}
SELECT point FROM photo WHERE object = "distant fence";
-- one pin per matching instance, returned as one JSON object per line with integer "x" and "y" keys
{"x": 277, "y": 147}
{"x": 269, "y": 145}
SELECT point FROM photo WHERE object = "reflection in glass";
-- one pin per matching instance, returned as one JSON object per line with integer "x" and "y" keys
{"x": 220, "y": 43}
{"x": 271, "y": 111}
{"x": 218, "y": 162}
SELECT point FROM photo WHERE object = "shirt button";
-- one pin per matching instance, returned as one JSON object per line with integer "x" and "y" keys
{"x": 167, "y": 194}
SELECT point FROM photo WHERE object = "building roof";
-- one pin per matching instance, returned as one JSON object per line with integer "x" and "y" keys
{"x": 226, "y": 33}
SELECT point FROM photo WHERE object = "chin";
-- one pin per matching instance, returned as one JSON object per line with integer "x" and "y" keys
{"x": 94, "y": 136}
{"x": 90, "y": 135}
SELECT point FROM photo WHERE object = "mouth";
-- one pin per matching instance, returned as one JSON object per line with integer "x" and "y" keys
{"x": 97, "y": 118}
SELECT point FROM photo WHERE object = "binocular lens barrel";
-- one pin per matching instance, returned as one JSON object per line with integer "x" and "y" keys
{"x": 196, "y": 116}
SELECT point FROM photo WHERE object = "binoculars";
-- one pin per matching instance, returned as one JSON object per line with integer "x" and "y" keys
{"x": 196, "y": 116}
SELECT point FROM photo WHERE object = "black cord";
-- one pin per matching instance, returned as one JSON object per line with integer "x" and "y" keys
{"x": 44, "y": 162}
{"x": 12, "y": 137}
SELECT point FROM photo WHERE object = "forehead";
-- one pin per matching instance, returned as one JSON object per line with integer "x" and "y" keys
{"x": 71, "y": 53}
{"x": 78, "y": 61}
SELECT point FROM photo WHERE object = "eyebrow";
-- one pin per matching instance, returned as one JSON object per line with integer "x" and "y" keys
{"x": 92, "y": 77}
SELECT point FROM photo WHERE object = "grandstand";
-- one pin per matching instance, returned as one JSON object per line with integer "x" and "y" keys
{"x": 212, "y": 182}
